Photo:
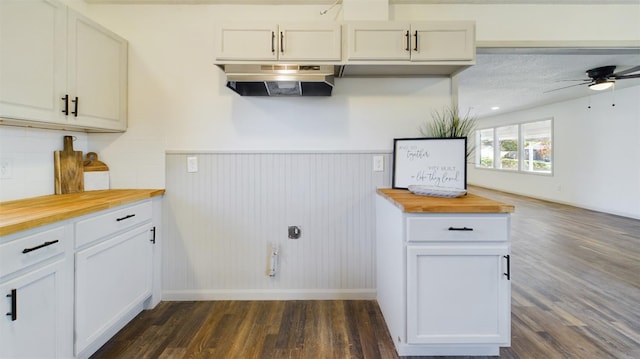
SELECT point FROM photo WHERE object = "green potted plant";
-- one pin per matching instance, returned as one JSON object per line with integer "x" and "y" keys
{"x": 448, "y": 123}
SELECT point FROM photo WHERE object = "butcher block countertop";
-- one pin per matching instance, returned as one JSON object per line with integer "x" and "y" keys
{"x": 470, "y": 203}
{"x": 23, "y": 214}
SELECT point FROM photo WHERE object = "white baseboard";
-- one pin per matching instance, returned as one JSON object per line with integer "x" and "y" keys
{"x": 271, "y": 294}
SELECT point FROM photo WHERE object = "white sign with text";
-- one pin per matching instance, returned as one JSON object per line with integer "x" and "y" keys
{"x": 435, "y": 162}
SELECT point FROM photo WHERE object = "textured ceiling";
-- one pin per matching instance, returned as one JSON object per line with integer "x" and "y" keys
{"x": 515, "y": 79}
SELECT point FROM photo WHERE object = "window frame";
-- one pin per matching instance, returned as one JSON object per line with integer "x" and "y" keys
{"x": 521, "y": 150}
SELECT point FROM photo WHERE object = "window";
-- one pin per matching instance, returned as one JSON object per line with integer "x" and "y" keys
{"x": 525, "y": 147}
{"x": 486, "y": 148}
{"x": 508, "y": 140}
{"x": 536, "y": 138}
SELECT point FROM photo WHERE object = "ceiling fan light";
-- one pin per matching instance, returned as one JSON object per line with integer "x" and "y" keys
{"x": 600, "y": 85}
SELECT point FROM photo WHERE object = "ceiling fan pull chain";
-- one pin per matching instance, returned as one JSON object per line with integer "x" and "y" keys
{"x": 613, "y": 95}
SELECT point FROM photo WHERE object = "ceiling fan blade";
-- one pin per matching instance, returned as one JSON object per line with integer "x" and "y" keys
{"x": 627, "y": 71}
{"x": 566, "y": 87}
{"x": 634, "y": 76}
{"x": 584, "y": 80}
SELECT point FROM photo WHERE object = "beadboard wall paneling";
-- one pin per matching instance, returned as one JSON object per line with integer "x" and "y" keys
{"x": 222, "y": 221}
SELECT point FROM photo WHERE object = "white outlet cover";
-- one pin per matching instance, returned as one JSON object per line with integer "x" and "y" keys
{"x": 378, "y": 163}
{"x": 192, "y": 164}
{"x": 6, "y": 168}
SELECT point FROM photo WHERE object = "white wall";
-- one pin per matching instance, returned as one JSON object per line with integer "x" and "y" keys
{"x": 29, "y": 155}
{"x": 596, "y": 154}
{"x": 221, "y": 221}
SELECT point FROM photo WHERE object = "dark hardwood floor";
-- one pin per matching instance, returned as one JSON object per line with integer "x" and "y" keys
{"x": 575, "y": 294}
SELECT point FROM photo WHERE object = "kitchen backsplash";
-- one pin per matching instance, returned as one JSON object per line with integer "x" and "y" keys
{"x": 26, "y": 160}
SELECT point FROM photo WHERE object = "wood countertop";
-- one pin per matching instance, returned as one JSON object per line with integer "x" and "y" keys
{"x": 470, "y": 203}
{"x": 23, "y": 214}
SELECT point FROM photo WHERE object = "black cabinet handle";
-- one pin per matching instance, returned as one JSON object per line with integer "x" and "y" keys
{"x": 415, "y": 47}
{"x": 282, "y": 42}
{"x": 508, "y": 274}
{"x": 125, "y": 217}
{"x": 408, "y": 41}
{"x": 153, "y": 238}
{"x": 273, "y": 42}
{"x": 14, "y": 305}
{"x": 460, "y": 229}
{"x": 45, "y": 244}
{"x": 75, "y": 111}
{"x": 66, "y": 105}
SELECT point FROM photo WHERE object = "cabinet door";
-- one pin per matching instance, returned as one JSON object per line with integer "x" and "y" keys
{"x": 378, "y": 41}
{"x": 97, "y": 69}
{"x": 309, "y": 42}
{"x": 37, "y": 326}
{"x": 252, "y": 41}
{"x": 443, "y": 41}
{"x": 112, "y": 278}
{"x": 32, "y": 60}
{"x": 458, "y": 295}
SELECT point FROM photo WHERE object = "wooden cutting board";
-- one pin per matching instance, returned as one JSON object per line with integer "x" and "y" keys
{"x": 68, "y": 169}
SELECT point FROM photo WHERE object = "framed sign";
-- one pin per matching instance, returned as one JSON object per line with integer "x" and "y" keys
{"x": 435, "y": 162}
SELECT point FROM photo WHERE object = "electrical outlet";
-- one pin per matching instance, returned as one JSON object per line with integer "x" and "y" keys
{"x": 192, "y": 164}
{"x": 6, "y": 168}
{"x": 378, "y": 163}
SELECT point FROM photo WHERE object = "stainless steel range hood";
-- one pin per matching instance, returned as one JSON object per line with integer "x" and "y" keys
{"x": 280, "y": 80}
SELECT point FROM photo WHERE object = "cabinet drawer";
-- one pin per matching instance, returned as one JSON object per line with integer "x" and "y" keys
{"x": 458, "y": 228}
{"x": 99, "y": 226}
{"x": 23, "y": 252}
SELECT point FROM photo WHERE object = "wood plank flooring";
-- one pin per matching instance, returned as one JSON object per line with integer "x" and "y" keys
{"x": 575, "y": 294}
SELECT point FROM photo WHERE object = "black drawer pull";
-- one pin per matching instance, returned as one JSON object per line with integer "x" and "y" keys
{"x": 66, "y": 104}
{"x": 460, "y": 229}
{"x": 273, "y": 42}
{"x": 75, "y": 112}
{"x": 508, "y": 274}
{"x": 27, "y": 250}
{"x": 408, "y": 48}
{"x": 14, "y": 305}
{"x": 125, "y": 217}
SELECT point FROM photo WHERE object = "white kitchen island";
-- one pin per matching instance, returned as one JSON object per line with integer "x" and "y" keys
{"x": 443, "y": 273}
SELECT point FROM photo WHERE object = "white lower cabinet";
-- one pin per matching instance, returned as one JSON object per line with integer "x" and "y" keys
{"x": 49, "y": 310}
{"x": 112, "y": 278}
{"x": 36, "y": 300}
{"x": 114, "y": 273}
{"x": 443, "y": 280}
{"x": 457, "y": 294}
{"x": 31, "y": 325}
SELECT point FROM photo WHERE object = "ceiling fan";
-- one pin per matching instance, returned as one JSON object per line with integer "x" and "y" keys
{"x": 602, "y": 78}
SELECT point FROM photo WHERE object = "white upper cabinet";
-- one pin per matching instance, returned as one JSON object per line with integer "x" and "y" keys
{"x": 247, "y": 42}
{"x": 32, "y": 60}
{"x": 279, "y": 42}
{"x": 421, "y": 41}
{"x": 443, "y": 41}
{"x": 97, "y": 75}
{"x": 379, "y": 41}
{"x": 59, "y": 69}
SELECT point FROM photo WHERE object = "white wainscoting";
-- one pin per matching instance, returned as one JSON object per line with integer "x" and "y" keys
{"x": 221, "y": 222}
